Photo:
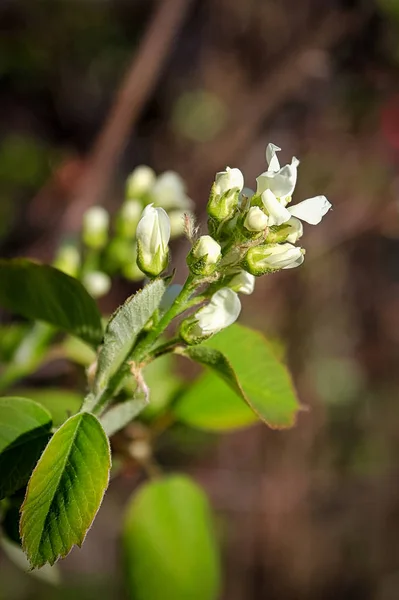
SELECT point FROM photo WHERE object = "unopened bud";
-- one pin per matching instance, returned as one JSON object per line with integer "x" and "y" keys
{"x": 68, "y": 260}
{"x": 128, "y": 218}
{"x": 204, "y": 256}
{"x": 140, "y": 182}
{"x": 255, "y": 220}
{"x": 269, "y": 258}
{"x": 169, "y": 192}
{"x": 225, "y": 194}
{"x": 95, "y": 227}
{"x": 97, "y": 283}
{"x": 153, "y": 234}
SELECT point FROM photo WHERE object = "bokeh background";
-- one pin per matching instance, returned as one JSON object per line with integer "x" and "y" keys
{"x": 91, "y": 88}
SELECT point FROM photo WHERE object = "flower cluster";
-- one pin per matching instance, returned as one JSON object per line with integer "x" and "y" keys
{"x": 111, "y": 248}
{"x": 251, "y": 233}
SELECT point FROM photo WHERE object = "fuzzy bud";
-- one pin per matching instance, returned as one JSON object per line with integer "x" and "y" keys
{"x": 153, "y": 234}
{"x": 204, "y": 256}
{"x": 268, "y": 258}
{"x": 140, "y": 182}
{"x": 95, "y": 227}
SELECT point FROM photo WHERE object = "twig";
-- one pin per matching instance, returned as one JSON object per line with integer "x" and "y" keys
{"x": 135, "y": 89}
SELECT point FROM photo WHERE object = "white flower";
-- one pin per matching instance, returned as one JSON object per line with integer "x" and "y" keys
{"x": 153, "y": 234}
{"x": 230, "y": 179}
{"x": 243, "y": 283}
{"x": 207, "y": 247}
{"x": 169, "y": 192}
{"x": 140, "y": 182}
{"x": 256, "y": 220}
{"x": 282, "y": 182}
{"x": 223, "y": 310}
{"x": 312, "y": 210}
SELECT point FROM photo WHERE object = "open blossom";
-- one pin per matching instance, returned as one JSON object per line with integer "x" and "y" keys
{"x": 153, "y": 234}
{"x": 223, "y": 310}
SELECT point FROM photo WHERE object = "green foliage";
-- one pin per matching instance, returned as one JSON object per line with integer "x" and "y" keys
{"x": 247, "y": 363}
{"x": 59, "y": 402}
{"x": 168, "y": 541}
{"x": 120, "y": 415}
{"x": 122, "y": 331}
{"x": 43, "y": 293}
{"x": 24, "y": 432}
{"x": 65, "y": 490}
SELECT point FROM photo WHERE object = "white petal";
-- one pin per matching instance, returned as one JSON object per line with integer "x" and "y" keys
{"x": 207, "y": 246}
{"x": 311, "y": 210}
{"x": 296, "y": 263}
{"x": 281, "y": 183}
{"x": 271, "y": 157}
{"x": 222, "y": 311}
{"x": 278, "y": 214}
{"x": 243, "y": 283}
{"x": 255, "y": 220}
{"x": 295, "y": 230}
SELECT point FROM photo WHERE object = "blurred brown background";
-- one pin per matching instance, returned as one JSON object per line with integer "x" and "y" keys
{"x": 91, "y": 88}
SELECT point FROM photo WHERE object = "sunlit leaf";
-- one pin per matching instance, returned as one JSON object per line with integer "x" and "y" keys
{"x": 65, "y": 490}
{"x": 24, "y": 432}
{"x": 169, "y": 545}
{"x": 43, "y": 293}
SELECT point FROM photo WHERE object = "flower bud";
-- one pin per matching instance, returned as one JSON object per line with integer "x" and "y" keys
{"x": 255, "y": 220}
{"x": 204, "y": 256}
{"x": 222, "y": 311}
{"x": 225, "y": 194}
{"x": 169, "y": 192}
{"x": 243, "y": 283}
{"x": 139, "y": 182}
{"x": 153, "y": 234}
{"x": 68, "y": 260}
{"x": 95, "y": 227}
{"x": 177, "y": 222}
{"x": 268, "y": 258}
{"x": 128, "y": 218}
{"x": 97, "y": 283}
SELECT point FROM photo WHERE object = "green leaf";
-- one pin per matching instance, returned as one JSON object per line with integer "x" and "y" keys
{"x": 43, "y": 293}
{"x": 59, "y": 402}
{"x": 24, "y": 432}
{"x": 249, "y": 366}
{"x": 65, "y": 490}
{"x": 122, "y": 331}
{"x": 120, "y": 415}
{"x": 168, "y": 541}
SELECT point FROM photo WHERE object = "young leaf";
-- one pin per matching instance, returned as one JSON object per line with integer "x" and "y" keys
{"x": 168, "y": 542}
{"x": 24, "y": 432}
{"x": 65, "y": 490}
{"x": 120, "y": 415}
{"x": 209, "y": 404}
{"x": 43, "y": 293}
{"x": 249, "y": 366}
{"x": 123, "y": 329}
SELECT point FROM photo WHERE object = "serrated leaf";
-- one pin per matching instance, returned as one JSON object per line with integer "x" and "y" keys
{"x": 122, "y": 331}
{"x": 24, "y": 432}
{"x": 65, "y": 490}
{"x": 250, "y": 368}
{"x": 168, "y": 541}
{"x": 43, "y": 293}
